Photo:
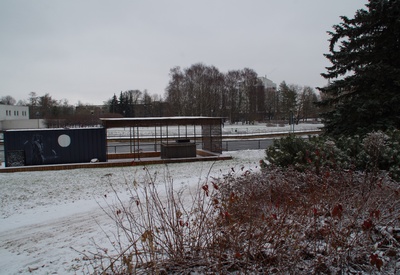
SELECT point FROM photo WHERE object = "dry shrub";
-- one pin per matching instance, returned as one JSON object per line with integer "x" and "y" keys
{"x": 276, "y": 221}
{"x": 286, "y": 221}
{"x": 161, "y": 229}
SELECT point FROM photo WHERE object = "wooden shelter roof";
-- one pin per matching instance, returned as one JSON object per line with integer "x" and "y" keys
{"x": 159, "y": 121}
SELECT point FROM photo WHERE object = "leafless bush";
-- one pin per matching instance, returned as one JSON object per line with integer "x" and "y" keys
{"x": 160, "y": 229}
{"x": 302, "y": 223}
{"x": 277, "y": 221}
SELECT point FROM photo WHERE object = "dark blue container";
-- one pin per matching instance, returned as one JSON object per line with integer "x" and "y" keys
{"x": 54, "y": 146}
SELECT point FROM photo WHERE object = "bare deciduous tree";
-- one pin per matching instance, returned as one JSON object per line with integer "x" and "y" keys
{"x": 8, "y": 100}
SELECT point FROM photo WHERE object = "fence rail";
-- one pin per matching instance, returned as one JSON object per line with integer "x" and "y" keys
{"x": 226, "y": 131}
{"x": 227, "y": 145}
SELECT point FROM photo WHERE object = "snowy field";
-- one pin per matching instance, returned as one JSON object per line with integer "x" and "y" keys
{"x": 48, "y": 218}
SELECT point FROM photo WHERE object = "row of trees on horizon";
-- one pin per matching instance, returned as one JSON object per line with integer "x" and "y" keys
{"x": 199, "y": 90}
{"x": 239, "y": 95}
{"x": 362, "y": 93}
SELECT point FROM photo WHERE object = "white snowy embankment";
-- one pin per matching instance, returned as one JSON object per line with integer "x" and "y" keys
{"x": 46, "y": 217}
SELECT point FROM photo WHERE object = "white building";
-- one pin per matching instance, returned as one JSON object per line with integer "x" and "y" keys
{"x": 13, "y": 112}
{"x": 268, "y": 84}
{"x": 17, "y": 117}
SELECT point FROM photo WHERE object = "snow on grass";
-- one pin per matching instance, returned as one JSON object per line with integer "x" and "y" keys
{"x": 47, "y": 217}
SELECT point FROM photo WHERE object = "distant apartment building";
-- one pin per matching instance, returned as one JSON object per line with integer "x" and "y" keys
{"x": 268, "y": 84}
{"x": 271, "y": 98}
{"x": 13, "y": 112}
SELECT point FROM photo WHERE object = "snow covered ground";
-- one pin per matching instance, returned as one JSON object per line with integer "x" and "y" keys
{"x": 48, "y": 218}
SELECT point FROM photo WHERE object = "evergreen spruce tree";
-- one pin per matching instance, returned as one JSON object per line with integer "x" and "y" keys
{"x": 364, "y": 80}
{"x": 113, "y": 108}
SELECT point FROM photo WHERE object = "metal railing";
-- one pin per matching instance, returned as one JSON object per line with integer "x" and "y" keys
{"x": 227, "y": 131}
{"x": 227, "y": 145}
{"x": 253, "y": 144}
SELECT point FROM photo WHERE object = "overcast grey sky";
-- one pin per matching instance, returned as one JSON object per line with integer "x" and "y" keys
{"x": 87, "y": 50}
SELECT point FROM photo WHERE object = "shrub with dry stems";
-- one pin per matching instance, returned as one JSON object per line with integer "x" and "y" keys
{"x": 274, "y": 221}
{"x": 303, "y": 222}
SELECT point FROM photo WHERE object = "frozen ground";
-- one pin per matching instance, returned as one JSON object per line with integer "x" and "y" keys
{"x": 48, "y": 218}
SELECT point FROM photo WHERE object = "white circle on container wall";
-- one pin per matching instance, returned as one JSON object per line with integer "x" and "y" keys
{"x": 64, "y": 140}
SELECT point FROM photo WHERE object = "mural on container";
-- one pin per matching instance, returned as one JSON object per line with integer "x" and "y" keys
{"x": 54, "y": 146}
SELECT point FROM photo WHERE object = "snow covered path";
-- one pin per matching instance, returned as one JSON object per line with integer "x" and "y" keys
{"x": 46, "y": 247}
{"x": 47, "y": 217}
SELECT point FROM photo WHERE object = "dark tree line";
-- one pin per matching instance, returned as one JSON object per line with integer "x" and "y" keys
{"x": 239, "y": 95}
{"x": 200, "y": 90}
{"x": 46, "y": 107}
{"x": 59, "y": 113}
{"x": 134, "y": 103}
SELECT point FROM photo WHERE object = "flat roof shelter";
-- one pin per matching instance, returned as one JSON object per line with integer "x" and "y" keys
{"x": 173, "y": 137}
